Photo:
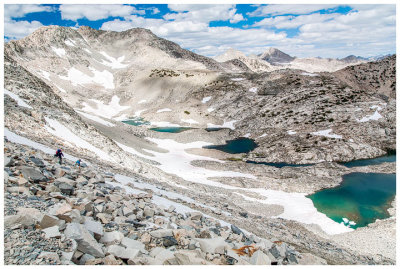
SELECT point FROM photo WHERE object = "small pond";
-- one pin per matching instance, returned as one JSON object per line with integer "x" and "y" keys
{"x": 280, "y": 165}
{"x": 171, "y": 129}
{"x": 136, "y": 122}
{"x": 239, "y": 145}
{"x": 359, "y": 200}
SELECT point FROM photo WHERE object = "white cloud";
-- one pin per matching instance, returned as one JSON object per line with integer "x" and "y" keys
{"x": 97, "y": 12}
{"x": 204, "y": 13}
{"x": 19, "y": 11}
{"x": 19, "y": 29}
{"x": 289, "y": 22}
{"x": 289, "y": 9}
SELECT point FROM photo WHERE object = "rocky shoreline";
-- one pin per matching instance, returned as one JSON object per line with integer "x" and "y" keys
{"x": 59, "y": 214}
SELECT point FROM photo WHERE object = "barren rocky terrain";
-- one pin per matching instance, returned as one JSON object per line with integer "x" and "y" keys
{"x": 72, "y": 89}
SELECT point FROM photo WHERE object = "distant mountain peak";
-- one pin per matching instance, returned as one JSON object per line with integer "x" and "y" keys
{"x": 275, "y": 56}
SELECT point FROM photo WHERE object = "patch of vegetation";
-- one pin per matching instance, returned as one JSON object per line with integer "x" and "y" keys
{"x": 233, "y": 159}
{"x": 187, "y": 112}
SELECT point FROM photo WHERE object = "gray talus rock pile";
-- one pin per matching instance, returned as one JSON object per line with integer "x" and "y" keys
{"x": 62, "y": 215}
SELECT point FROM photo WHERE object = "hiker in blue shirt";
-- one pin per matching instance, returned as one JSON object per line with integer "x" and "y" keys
{"x": 78, "y": 163}
{"x": 59, "y": 154}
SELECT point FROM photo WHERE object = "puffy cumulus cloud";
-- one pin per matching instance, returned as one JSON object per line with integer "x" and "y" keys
{"x": 97, "y": 12}
{"x": 204, "y": 13}
{"x": 19, "y": 29}
{"x": 273, "y": 10}
{"x": 19, "y": 11}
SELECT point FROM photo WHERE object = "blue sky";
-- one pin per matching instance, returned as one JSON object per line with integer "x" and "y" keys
{"x": 300, "y": 30}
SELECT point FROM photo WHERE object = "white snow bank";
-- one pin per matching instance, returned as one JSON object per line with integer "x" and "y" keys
{"x": 206, "y": 99}
{"x": 309, "y": 74}
{"x": 137, "y": 113}
{"x": 96, "y": 119}
{"x": 190, "y": 121}
{"x": 210, "y": 109}
{"x": 70, "y": 43}
{"x": 164, "y": 110}
{"x": 263, "y": 135}
{"x": 227, "y": 124}
{"x": 113, "y": 62}
{"x": 131, "y": 150}
{"x": 60, "y": 89}
{"x": 172, "y": 195}
{"x": 142, "y": 101}
{"x": 375, "y": 116}
{"x": 66, "y": 134}
{"x": 88, "y": 51}
{"x": 376, "y": 107}
{"x": 59, "y": 52}
{"x": 290, "y": 132}
{"x": 254, "y": 89}
{"x": 104, "y": 110}
{"x": 177, "y": 161}
{"x": 247, "y": 135}
{"x": 299, "y": 208}
{"x": 18, "y": 99}
{"x": 45, "y": 74}
{"x": 237, "y": 79}
{"x": 13, "y": 137}
{"x": 326, "y": 133}
{"x": 104, "y": 78}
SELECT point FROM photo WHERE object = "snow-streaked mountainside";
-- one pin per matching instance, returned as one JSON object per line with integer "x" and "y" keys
{"x": 84, "y": 90}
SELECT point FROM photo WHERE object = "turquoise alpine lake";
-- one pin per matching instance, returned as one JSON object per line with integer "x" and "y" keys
{"x": 359, "y": 200}
{"x": 171, "y": 129}
{"x": 374, "y": 161}
{"x": 239, "y": 145}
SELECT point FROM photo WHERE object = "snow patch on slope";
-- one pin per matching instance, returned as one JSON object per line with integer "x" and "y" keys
{"x": 103, "y": 110}
{"x": 113, "y": 62}
{"x": 104, "y": 78}
{"x": 59, "y": 52}
{"x": 206, "y": 99}
{"x": 18, "y": 99}
{"x": 57, "y": 129}
{"x": 96, "y": 119}
{"x": 327, "y": 134}
{"x": 164, "y": 110}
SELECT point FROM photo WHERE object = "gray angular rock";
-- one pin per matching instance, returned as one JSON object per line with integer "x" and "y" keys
{"x": 130, "y": 243}
{"x": 52, "y": 232}
{"x": 94, "y": 226}
{"x": 161, "y": 233}
{"x": 86, "y": 242}
{"x": 109, "y": 238}
{"x": 66, "y": 188}
{"x": 33, "y": 175}
{"x": 259, "y": 258}
{"x": 212, "y": 245}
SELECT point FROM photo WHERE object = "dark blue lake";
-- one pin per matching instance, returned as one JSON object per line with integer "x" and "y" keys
{"x": 239, "y": 145}
{"x": 361, "y": 198}
{"x": 280, "y": 165}
{"x": 374, "y": 161}
{"x": 170, "y": 129}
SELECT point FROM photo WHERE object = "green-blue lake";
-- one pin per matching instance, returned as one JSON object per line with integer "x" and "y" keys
{"x": 361, "y": 198}
{"x": 170, "y": 129}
